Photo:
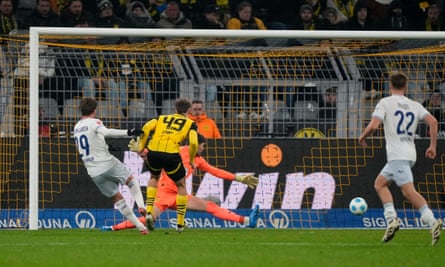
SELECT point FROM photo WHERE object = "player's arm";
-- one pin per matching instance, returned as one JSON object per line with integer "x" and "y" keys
{"x": 203, "y": 165}
{"x": 432, "y": 123}
{"x": 373, "y": 125}
{"x": 193, "y": 143}
{"x": 147, "y": 129}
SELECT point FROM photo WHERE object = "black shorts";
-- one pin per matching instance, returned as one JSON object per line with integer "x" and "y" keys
{"x": 171, "y": 163}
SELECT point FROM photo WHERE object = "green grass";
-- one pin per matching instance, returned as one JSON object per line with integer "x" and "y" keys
{"x": 224, "y": 247}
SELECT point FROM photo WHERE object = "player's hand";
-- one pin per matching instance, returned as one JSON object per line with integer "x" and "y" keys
{"x": 249, "y": 180}
{"x": 133, "y": 145}
{"x": 430, "y": 153}
{"x": 362, "y": 142}
{"x": 134, "y": 132}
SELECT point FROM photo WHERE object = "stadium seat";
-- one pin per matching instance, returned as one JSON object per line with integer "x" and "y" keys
{"x": 168, "y": 106}
{"x": 50, "y": 108}
{"x": 306, "y": 110}
{"x": 71, "y": 109}
{"x": 280, "y": 110}
{"x": 140, "y": 109}
{"x": 213, "y": 110}
{"x": 109, "y": 109}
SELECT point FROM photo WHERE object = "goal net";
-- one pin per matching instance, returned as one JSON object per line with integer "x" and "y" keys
{"x": 268, "y": 92}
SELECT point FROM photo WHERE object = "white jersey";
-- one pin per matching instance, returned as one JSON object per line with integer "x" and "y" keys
{"x": 89, "y": 135}
{"x": 400, "y": 116}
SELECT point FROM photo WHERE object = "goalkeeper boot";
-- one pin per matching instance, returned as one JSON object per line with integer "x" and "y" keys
{"x": 391, "y": 230}
{"x": 435, "y": 231}
{"x": 144, "y": 232}
{"x": 150, "y": 222}
{"x": 180, "y": 228}
{"x": 106, "y": 228}
{"x": 253, "y": 216}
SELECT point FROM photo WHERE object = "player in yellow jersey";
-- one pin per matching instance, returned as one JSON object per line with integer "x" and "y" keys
{"x": 167, "y": 132}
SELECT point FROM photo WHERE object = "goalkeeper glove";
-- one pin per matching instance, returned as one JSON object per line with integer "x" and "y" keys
{"x": 134, "y": 132}
{"x": 133, "y": 145}
{"x": 249, "y": 180}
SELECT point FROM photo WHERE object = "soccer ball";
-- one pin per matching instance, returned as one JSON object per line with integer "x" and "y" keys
{"x": 358, "y": 206}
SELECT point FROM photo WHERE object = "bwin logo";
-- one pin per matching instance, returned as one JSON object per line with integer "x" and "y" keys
{"x": 279, "y": 219}
{"x": 85, "y": 219}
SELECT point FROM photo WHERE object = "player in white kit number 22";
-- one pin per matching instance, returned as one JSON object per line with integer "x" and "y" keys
{"x": 106, "y": 171}
{"x": 400, "y": 116}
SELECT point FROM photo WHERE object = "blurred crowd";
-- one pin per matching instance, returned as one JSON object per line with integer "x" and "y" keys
{"x": 225, "y": 14}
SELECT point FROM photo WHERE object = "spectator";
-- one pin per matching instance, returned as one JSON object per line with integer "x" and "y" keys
{"x": 154, "y": 8}
{"x": 173, "y": 17}
{"x": 378, "y": 10}
{"x": 42, "y": 15}
{"x": 206, "y": 126}
{"x": 317, "y": 8}
{"x": 74, "y": 15}
{"x": 107, "y": 19}
{"x": 47, "y": 69}
{"x": 360, "y": 21}
{"x": 9, "y": 25}
{"x": 330, "y": 20}
{"x": 8, "y": 18}
{"x": 328, "y": 105}
{"x": 396, "y": 21}
{"x": 306, "y": 19}
{"x": 58, "y": 6}
{"x": 434, "y": 106}
{"x": 244, "y": 20}
{"x": 345, "y": 9}
{"x": 139, "y": 17}
{"x": 211, "y": 18}
{"x": 433, "y": 21}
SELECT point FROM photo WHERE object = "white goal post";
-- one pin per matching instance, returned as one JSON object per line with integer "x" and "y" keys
{"x": 37, "y": 32}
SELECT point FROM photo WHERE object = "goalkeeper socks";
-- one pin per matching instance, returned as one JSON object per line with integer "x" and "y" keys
{"x": 223, "y": 214}
{"x": 181, "y": 207}
{"x": 135, "y": 191}
{"x": 151, "y": 195}
{"x": 127, "y": 224}
{"x": 126, "y": 211}
{"x": 389, "y": 212}
{"x": 427, "y": 215}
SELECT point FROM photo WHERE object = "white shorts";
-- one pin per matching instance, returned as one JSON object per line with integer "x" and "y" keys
{"x": 398, "y": 171}
{"x": 108, "y": 182}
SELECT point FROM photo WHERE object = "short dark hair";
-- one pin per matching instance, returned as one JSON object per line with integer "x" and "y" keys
{"x": 182, "y": 105}
{"x": 398, "y": 80}
{"x": 87, "y": 106}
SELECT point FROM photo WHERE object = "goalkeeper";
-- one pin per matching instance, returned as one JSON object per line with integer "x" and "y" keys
{"x": 167, "y": 190}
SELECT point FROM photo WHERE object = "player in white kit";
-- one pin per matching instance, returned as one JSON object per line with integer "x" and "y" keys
{"x": 106, "y": 171}
{"x": 400, "y": 116}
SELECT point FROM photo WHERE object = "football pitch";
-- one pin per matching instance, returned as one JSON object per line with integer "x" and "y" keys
{"x": 218, "y": 247}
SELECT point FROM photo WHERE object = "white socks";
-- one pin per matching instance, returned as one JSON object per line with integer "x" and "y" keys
{"x": 128, "y": 213}
{"x": 389, "y": 212}
{"x": 135, "y": 191}
{"x": 427, "y": 215}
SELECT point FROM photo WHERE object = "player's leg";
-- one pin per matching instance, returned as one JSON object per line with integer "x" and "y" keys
{"x": 136, "y": 193}
{"x": 108, "y": 185}
{"x": 199, "y": 204}
{"x": 381, "y": 186}
{"x": 427, "y": 216}
{"x": 181, "y": 205}
{"x": 128, "y": 224}
{"x": 125, "y": 210}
